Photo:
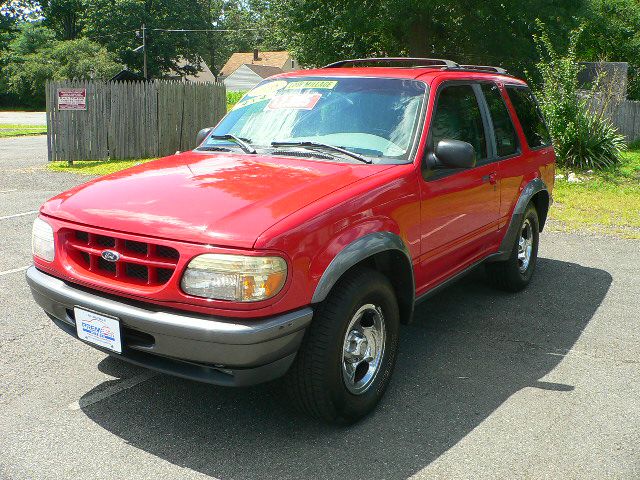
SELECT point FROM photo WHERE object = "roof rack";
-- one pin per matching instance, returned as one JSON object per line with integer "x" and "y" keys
{"x": 417, "y": 62}
{"x": 484, "y": 68}
{"x": 407, "y": 61}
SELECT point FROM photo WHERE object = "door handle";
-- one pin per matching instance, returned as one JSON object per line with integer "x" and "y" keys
{"x": 492, "y": 178}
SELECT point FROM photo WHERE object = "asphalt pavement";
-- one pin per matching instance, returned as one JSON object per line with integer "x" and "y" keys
{"x": 540, "y": 384}
{"x": 23, "y": 118}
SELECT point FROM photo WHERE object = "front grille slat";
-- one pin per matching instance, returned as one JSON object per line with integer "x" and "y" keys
{"x": 164, "y": 274}
{"x": 140, "y": 263}
{"x": 82, "y": 236}
{"x": 139, "y": 248}
{"x": 166, "y": 252}
{"x": 137, "y": 271}
{"x": 106, "y": 242}
{"x": 105, "y": 266}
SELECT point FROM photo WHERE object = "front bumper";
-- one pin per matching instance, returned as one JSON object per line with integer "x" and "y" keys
{"x": 222, "y": 351}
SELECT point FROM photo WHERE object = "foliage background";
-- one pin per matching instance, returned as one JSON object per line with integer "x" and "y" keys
{"x": 497, "y": 32}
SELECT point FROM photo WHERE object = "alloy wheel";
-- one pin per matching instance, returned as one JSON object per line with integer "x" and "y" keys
{"x": 363, "y": 348}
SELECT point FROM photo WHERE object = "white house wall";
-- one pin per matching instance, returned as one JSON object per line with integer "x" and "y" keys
{"x": 242, "y": 79}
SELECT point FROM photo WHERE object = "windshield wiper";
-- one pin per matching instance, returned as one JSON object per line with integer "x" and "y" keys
{"x": 214, "y": 149}
{"x": 241, "y": 143}
{"x": 321, "y": 146}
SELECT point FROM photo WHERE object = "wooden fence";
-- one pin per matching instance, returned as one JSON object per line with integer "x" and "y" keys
{"x": 130, "y": 119}
{"x": 624, "y": 114}
{"x": 626, "y": 117}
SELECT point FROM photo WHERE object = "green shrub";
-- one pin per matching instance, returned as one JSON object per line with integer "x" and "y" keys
{"x": 233, "y": 98}
{"x": 589, "y": 142}
{"x": 583, "y": 138}
{"x": 35, "y": 56}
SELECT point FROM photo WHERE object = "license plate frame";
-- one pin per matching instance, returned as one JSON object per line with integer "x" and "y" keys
{"x": 98, "y": 329}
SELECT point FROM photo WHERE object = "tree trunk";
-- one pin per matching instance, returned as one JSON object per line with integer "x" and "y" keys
{"x": 69, "y": 27}
{"x": 417, "y": 36}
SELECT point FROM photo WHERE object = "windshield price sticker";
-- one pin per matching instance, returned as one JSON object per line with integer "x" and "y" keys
{"x": 250, "y": 101}
{"x": 294, "y": 101}
{"x": 260, "y": 94}
{"x": 316, "y": 84}
{"x": 268, "y": 89}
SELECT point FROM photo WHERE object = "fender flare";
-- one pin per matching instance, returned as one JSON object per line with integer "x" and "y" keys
{"x": 535, "y": 186}
{"x": 354, "y": 253}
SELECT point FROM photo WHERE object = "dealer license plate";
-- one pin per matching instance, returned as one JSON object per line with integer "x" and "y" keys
{"x": 98, "y": 329}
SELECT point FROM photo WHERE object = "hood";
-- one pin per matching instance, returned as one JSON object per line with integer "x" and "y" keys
{"x": 219, "y": 199}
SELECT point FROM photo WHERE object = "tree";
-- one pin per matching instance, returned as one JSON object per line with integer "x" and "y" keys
{"x": 7, "y": 26}
{"x": 63, "y": 17}
{"x": 35, "y": 56}
{"x": 583, "y": 137}
{"x": 20, "y": 10}
{"x": 22, "y": 40}
{"x": 320, "y": 32}
{"x": 116, "y": 24}
{"x": 469, "y": 31}
{"x": 612, "y": 33}
{"x": 249, "y": 24}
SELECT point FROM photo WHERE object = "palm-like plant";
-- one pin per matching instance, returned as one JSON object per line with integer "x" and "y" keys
{"x": 583, "y": 137}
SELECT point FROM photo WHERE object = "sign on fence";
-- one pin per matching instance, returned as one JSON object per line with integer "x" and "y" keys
{"x": 120, "y": 120}
{"x": 72, "y": 99}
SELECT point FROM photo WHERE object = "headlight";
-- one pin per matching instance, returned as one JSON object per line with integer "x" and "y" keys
{"x": 237, "y": 278}
{"x": 42, "y": 240}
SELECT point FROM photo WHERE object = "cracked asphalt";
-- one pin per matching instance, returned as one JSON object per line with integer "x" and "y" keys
{"x": 540, "y": 384}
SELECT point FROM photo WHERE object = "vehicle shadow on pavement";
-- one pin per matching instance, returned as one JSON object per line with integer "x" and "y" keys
{"x": 469, "y": 349}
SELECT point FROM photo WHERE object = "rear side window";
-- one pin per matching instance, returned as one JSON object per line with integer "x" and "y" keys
{"x": 458, "y": 117}
{"x": 505, "y": 133}
{"x": 530, "y": 116}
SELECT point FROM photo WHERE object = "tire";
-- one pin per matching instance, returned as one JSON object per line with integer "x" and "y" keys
{"x": 322, "y": 381}
{"x": 515, "y": 273}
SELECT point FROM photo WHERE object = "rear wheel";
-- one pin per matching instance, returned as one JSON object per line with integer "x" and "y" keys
{"x": 345, "y": 362}
{"x": 515, "y": 273}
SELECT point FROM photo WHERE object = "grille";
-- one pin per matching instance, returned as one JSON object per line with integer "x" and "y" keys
{"x": 140, "y": 263}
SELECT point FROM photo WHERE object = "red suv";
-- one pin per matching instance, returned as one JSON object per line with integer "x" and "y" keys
{"x": 300, "y": 233}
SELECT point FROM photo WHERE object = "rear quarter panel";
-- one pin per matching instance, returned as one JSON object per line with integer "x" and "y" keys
{"x": 517, "y": 172}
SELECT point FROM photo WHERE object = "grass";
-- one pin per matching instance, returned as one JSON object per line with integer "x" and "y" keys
{"x": 233, "y": 98}
{"x": 13, "y": 130}
{"x": 606, "y": 203}
{"x": 95, "y": 167}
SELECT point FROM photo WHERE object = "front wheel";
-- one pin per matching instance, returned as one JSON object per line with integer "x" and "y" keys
{"x": 347, "y": 356}
{"x": 515, "y": 273}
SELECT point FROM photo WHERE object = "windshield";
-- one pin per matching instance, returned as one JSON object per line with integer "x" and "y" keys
{"x": 372, "y": 117}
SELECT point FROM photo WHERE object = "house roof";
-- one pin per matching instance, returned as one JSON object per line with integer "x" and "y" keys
{"x": 126, "y": 76}
{"x": 269, "y": 59}
{"x": 263, "y": 71}
{"x": 204, "y": 75}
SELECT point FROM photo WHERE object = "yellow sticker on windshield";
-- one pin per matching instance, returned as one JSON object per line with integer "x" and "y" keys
{"x": 317, "y": 84}
{"x": 267, "y": 89}
{"x": 250, "y": 101}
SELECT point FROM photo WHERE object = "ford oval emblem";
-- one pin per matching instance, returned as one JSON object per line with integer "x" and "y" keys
{"x": 110, "y": 255}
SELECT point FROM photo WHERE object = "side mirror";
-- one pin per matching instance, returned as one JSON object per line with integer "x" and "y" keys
{"x": 202, "y": 134}
{"x": 454, "y": 154}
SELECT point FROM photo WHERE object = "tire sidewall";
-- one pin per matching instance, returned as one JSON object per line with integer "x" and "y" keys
{"x": 349, "y": 406}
